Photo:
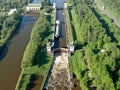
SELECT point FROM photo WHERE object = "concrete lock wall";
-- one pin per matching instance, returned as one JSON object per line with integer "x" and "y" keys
{"x": 65, "y": 5}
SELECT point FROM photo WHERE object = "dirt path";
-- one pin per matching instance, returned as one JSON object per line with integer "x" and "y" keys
{"x": 90, "y": 79}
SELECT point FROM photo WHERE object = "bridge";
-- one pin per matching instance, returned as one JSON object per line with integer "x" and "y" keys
{"x": 33, "y": 7}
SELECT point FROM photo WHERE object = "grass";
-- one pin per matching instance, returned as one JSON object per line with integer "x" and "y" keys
{"x": 69, "y": 28}
{"x": 76, "y": 25}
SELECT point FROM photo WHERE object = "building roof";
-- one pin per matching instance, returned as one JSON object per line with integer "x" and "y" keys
{"x": 34, "y": 5}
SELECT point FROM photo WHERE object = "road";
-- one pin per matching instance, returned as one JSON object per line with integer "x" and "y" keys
{"x": 100, "y": 7}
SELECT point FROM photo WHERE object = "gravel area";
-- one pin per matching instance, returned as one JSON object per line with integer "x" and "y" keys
{"x": 60, "y": 76}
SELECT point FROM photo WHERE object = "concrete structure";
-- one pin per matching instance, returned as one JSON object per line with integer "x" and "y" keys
{"x": 57, "y": 29}
{"x": 65, "y": 5}
{"x": 71, "y": 47}
{"x": 33, "y": 7}
{"x": 12, "y": 11}
{"x": 54, "y": 5}
{"x": 48, "y": 47}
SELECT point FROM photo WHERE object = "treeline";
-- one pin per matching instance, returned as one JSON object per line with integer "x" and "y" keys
{"x": 102, "y": 52}
{"x": 36, "y": 62}
{"x": 7, "y": 25}
{"x": 6, "y": 5}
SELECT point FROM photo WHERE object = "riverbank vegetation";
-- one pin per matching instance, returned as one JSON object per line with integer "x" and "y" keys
{"x": 8, "y": 24}
{"x": 95, "y": 36}
{"x": 6, "y": 5}
{"x": 36, "y": 62}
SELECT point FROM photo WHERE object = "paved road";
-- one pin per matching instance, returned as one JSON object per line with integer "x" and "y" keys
{"x": 100, "y": 7}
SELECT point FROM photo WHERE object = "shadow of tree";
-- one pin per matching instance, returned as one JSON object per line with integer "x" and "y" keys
{"x": 104, "y": 24}
{"x": 41, "y": 57}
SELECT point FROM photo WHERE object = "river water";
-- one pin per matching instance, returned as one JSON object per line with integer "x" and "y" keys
{"x": 10, "y": 60}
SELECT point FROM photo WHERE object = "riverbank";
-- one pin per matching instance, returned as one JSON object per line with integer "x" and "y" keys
{"x": 36, "y": 62}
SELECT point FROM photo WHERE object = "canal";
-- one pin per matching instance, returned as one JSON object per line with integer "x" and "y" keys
{"x": 59, "y": 75}
{"x": 11, "y": 57}
{"x": 61, "y": 41}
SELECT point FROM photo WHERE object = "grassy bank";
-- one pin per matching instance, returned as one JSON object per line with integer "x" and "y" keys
{"x": 69, "y": 28}
{"x": 36, "y": 62}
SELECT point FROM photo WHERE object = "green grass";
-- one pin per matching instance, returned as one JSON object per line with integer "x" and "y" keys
{"x": 69, "y": 29}
{"x": 76, "y": 25}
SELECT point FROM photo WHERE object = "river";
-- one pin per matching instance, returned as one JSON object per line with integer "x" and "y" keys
{"x": 10, "y": 59}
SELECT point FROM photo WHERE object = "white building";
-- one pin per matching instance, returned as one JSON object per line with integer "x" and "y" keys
{"x": 33, "y": 7}
{"x": 12, "y": 11}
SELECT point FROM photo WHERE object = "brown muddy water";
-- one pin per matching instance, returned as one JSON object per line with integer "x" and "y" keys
{"x": 37, "y": 83}
{"x": 11, "y": 57}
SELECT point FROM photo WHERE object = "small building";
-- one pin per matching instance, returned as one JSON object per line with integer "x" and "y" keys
{"x": 33, "y": 7}
{"x": 12, "y": 11}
